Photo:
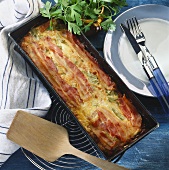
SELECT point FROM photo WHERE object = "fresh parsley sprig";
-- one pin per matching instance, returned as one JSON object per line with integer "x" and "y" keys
{"x": 80, "y": 15}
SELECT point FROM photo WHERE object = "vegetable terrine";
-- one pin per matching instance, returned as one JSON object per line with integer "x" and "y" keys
{"x": 105, "y": 113}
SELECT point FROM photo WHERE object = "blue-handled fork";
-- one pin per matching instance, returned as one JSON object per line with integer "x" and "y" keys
{"x": 135, "y": 29}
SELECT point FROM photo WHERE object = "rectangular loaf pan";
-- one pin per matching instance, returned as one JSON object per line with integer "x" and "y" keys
{"x": 148, "y": 125}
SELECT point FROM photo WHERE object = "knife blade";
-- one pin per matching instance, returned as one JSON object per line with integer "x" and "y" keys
{"x": 158, "y": 91}
{"x": 135, "y": 46}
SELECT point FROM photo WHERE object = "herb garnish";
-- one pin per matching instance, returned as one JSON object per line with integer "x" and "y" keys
{"x": 79, "y": 15}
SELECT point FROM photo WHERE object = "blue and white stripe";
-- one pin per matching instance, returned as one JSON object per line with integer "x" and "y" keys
{"x": 19, "y": 86}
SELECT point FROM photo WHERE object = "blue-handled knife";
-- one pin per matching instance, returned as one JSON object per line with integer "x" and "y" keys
{"x": 158, "y": 91}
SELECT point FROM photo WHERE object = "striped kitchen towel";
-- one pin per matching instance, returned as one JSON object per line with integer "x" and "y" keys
{"x": 19, "y": 86}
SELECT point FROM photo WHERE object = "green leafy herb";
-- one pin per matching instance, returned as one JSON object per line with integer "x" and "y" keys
{"x": 108, "y": 24}
{"x": 46, "y": 10}
{"x": 80, "y": 15}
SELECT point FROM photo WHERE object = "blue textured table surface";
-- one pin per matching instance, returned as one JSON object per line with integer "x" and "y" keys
{"x": 151, "y": 153}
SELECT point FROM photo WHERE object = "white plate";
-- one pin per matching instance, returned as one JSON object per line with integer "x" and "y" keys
{"x": 154, "y": 21}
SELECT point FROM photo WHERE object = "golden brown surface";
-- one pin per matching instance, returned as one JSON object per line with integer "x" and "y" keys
{"x": 107, "y": 115}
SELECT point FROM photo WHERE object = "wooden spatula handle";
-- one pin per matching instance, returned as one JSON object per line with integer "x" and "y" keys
{"x": 103, "y": 164}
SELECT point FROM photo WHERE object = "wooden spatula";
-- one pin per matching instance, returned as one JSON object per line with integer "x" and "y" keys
{"x": 48, "y": 140}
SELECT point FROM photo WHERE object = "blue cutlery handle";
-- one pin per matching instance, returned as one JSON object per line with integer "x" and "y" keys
{"x": 162, "y": 82}
{"x": 162, "y": 99}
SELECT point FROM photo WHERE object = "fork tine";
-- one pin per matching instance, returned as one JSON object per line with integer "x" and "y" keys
{"x": 134, "y": 26}
{"x": 128, "y": 24}
{"x": 137, "y": 25}
{"x": 131, "y": 26}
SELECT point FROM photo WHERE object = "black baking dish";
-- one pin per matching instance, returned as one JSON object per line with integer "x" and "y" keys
{"x": 149, "y": 124}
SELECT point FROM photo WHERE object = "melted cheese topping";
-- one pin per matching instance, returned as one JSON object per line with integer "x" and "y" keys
{"x": 108, "y": 116}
